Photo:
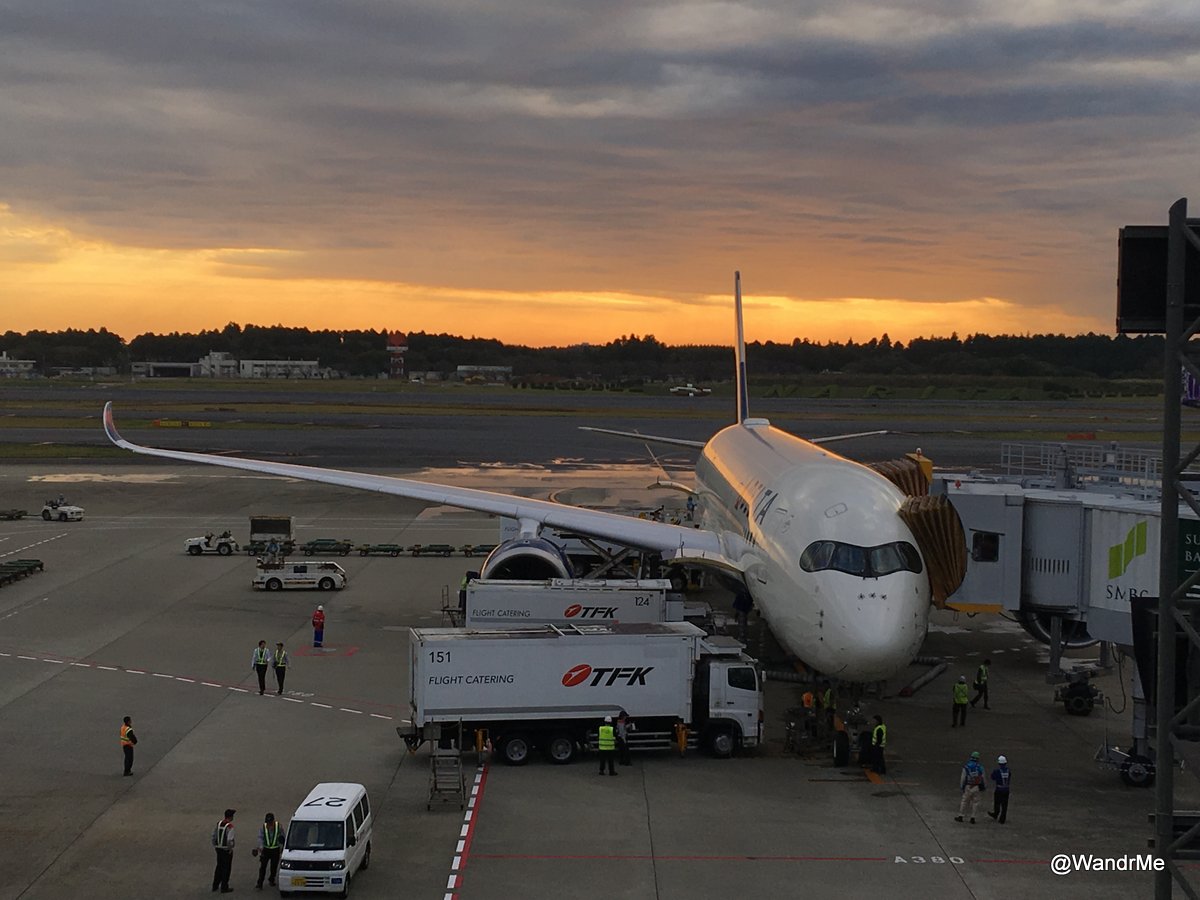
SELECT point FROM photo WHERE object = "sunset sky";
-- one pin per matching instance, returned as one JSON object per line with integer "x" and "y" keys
{"x": 551, "y": 173}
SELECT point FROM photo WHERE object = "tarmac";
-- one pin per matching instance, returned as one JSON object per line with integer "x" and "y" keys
{"x": 122, "y": 622}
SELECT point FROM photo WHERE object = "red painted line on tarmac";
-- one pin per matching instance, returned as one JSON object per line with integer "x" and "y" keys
{"x": 637, "y": 857}
{"x": 477, "y": 801}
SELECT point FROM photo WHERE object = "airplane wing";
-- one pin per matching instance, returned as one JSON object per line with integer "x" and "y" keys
{"x": 657, "y": 439}
{"x": 830, "y": 438}
{"x": 641, "y": 533}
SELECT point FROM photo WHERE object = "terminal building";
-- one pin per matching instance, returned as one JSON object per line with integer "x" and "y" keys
{"x": 15, "y": 368}
{"x": 219, "y": 364}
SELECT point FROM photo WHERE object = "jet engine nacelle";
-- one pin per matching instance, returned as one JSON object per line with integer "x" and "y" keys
{"x": 1075, "y": 634}
{"x": 527, "y": 559}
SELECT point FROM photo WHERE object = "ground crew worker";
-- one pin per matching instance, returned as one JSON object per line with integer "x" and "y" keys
{"x": 742, "y": 604}
{"x": 621, "y": 731}
{"x": 828, "y": 704}
{"x": 222, "y": 841}
{"x": 691, "y": 508}
{"x": 270, "y": 846}
{"x": 809, "y": 699}
{"x": 981, "y": 684}
{"x": 960, "y": 703}
{"x": 971, "y": 784}
{"x": 606, "y": 742}
{"x": 128, "y": 739}
{"x": 1003, "y": 780}
{"x": 280, "y": 664}
{"x": 259, "y": 660}
{"x": 878, "y": 742}
{"x": 318, "y": 623}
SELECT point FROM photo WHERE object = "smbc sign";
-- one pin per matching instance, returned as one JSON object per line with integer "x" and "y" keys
{"x": 1189, "y": 552}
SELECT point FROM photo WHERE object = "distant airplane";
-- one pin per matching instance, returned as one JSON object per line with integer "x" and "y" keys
{"x": 690, "y": 390}
{"x": 818, "y": 540}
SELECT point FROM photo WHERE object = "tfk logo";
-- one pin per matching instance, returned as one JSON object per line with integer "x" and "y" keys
{"x": 1121, "y": 555}
{"x": 606, "y": 675}
{"x": 590, "y": 612}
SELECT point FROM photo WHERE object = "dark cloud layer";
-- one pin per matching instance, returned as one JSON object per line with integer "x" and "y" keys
{"x": 476, "y": 143}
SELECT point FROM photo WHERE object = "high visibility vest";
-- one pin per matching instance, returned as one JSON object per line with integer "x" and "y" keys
{"x": 879, "y": 736}
{"x": 260, "y": 656}
{"x": 981, "y": 675}
{"x": 126, "y": 731}
{"x": 960, "y": 692}
{"x": 221, "y": 835}
{"x": 827, "y": 698}
{"x": 607, "y": 738}
{"x": 281, "y": 659}
{"x": 808, "y": 698}
{"x": 270, "y": 840}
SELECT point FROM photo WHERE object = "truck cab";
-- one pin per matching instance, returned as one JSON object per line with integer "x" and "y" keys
{"x": 728, "y": 700}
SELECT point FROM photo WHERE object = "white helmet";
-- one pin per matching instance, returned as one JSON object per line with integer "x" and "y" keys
{"x": 321, "y": 609}
{"x": 608, "y": 720}
{"x": 1003, "y": 760}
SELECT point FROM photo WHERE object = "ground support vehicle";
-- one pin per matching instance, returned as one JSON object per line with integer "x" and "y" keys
{"x": 13, "y": 514}
{"x": 326, "y": 546}
{"x": 328, "y": 840}
{"x": 550, "y": 687}
{"x": 260, "y": 548}
{"x": 16, "y": 569}
{"x": 61, "y": 511}
{"x": 431, "y": 549}
{"x": 380, "y": 550}
{"x": 319, "y": 574}
{"x": 221, "y": 544}
{"x": 504, "y": 603}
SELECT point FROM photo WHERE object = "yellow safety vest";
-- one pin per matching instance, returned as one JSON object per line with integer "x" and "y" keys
{"x": 260, "y": 656}
{"x": 270, "y": 841}
{"x": 607, "y": 738}
{"x": 879, "y": 736}
{"x": 281, "y": 659}
{"x": 960, "y": 692}
{"x": 981, "y": 675}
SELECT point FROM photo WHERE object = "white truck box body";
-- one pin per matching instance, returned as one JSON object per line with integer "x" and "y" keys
{"x": 503, "y": 603}
{"x": 581, "y": 671}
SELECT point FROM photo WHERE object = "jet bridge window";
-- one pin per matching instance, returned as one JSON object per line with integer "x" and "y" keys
{"x": 865, "y": 562}
{"x": 985, "y": 546}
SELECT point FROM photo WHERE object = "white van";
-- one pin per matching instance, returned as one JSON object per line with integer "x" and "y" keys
{"x": 328, "y": 840}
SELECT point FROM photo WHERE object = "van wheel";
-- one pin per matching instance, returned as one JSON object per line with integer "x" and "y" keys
{"x": 224, "y": 549}
{"x": 325, "y": 584}
{"x": 274, "y": 584}
{"x": 515, "y": 751}
{"x": 560, "y": 749}
{"x": 721, "y": 743}
{"x": 841, "y": 749}
{"x": 346, "y": 887}
{"x": 366, "y": 863}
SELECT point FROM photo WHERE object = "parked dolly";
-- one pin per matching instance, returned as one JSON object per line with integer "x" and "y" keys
{"x": 477, "y": 549}
{"x": 380, "y": 550}
{"x": 322, "y": 546}
{"x": 13, "y": 514}
{"x": 431, "y": 549}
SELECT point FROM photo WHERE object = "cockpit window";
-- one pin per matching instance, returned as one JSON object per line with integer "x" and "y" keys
{"x": 865, "y": 562}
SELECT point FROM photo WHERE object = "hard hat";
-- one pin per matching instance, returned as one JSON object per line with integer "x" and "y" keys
{"x": 320, "y": 609}
{"x": 1003, "y": 760}
{"x": 608, "y": 720}
{"x": 974, "y": 754}
{"x": 960, "y": 677}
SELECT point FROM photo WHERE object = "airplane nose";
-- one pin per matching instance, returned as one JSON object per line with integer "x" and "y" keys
{"x": 885, "y": 631}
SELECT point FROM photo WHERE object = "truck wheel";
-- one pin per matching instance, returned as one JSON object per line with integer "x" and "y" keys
{"x": 841, "y": 749}
{"x": 308, "y": 551}
{"x": 1137, "y": 771}
{"x": 194, "y": 550}
{"x": 515, "y": 751}
{"x": 224, "y": 549}
{"x": 560, "y": 749}
{"x": 46, "y": 514}
{"x": 274, "y": 584}
{"x": 721, "y": 743}
{"x": 325, "y": 584}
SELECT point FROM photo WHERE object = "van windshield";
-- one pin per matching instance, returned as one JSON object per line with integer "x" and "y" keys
{"x": 316, "y": 835}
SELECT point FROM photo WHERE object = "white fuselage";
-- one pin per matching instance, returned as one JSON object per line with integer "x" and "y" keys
{"x": 770, "y": 495}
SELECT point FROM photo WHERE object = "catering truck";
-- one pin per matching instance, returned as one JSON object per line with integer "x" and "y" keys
{"x": 504, "y": 603}
{"x": 549, "y": 688}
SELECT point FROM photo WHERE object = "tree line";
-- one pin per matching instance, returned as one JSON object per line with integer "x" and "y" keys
{"x": 364, "y": 353}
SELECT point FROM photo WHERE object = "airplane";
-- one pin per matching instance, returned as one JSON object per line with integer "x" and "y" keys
{"x": 690, "y": 390}
{"x": 818, "y": 540}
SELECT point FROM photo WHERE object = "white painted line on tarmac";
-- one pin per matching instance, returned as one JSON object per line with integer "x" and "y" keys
{"x": 464, "y": 831}
{"x": 5, "y": 654}
{"x": 240, "y": 690}
{"x": 292, "y": 700}
{"x": 55, "y": 661}
{"x": 135, "y": 671}
{"x": 322, "y": 705}
{"x": 378, "y": 716}
{"x": 455, "y": 863}
{"x": 211, "y": 684}
{"x": 461, "y": 844}
{"x": 357, "y": 712}
{"x": 107, "y": 668}
{"x": 450, "y": 883}
{"x": 161, "y": 675}
{"x": 82, "y": 665}
{"x": 33, "y": 658}
{"x": 193, "y": 680}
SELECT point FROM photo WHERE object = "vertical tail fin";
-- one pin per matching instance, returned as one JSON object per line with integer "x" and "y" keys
{"x": 739, "y": 350}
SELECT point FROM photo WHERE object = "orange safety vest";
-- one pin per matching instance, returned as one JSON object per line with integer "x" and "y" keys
{"x": 126, "y": 730}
